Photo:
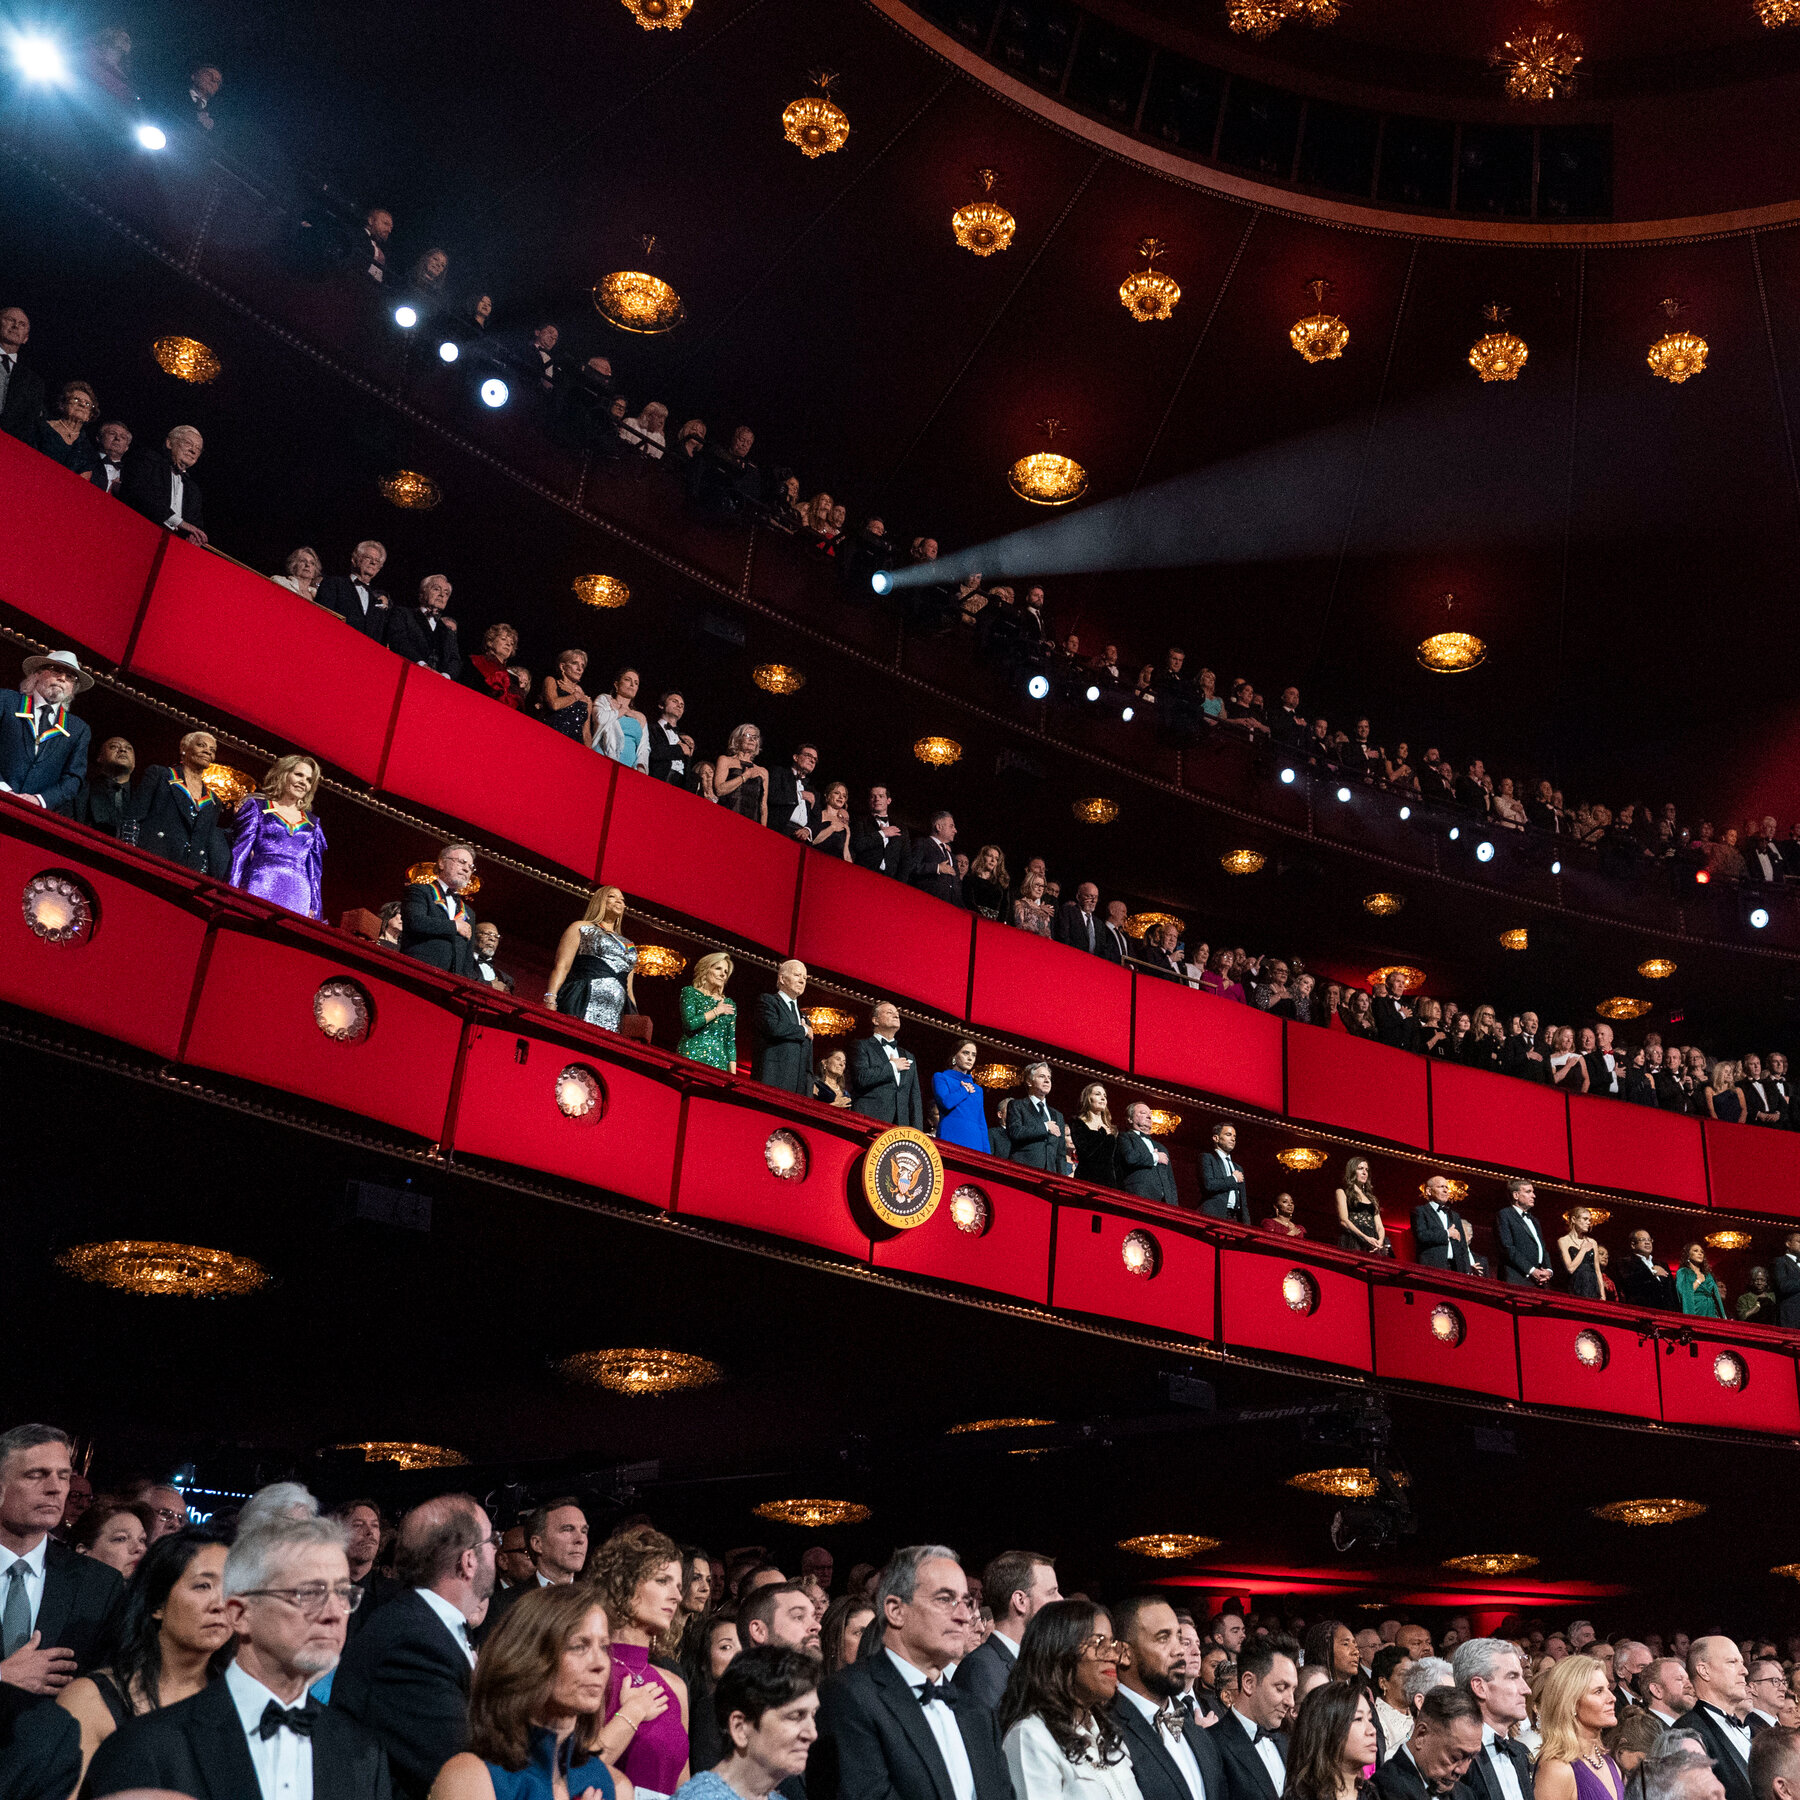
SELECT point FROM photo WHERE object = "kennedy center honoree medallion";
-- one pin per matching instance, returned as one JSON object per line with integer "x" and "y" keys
{"x": 903, "y": 1177}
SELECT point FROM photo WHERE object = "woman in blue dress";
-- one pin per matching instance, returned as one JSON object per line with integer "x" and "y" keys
{"x": 615, "y": 726}
{"x": 535, "y": 1702}
{"x": 766, "y": 1704}
{"x": 964, "y": 1108}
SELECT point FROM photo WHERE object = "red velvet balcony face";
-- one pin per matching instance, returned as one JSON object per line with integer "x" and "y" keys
{"x": 1270, "y": 1301}
{"x": 1138, "y": 1267}
{"x": 984, "y": 1233}
{"x": 1752, "y": 1169}
{"x": 1613, "y": 1144}
{"x": 1445, "y": 1338}
{"x": 1199, "y": 1041}
{"x": 1593, "y": 1363}
{"x": 1049, "y": 994}
{"x": 1499, "y": 1119}
{"x": 1735, "y": 1384}
{"x": 1358, "y": 1086}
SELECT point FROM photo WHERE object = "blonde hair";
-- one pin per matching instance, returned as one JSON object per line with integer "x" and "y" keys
{"x": 1558, "y": 1698}
{"x": 282, "y": 768}
{"x": 712, "y": 960}
{"x": 1084, "y": 1104}
{"x": 739, "y": 740}
{"x": 596, "y": 906}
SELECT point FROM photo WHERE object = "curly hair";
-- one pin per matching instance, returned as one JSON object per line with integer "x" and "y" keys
{"x": 617, "y": 1569}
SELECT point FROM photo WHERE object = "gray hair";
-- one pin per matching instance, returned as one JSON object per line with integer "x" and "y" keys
{"x": 185, "y": 431}
{"x": 373, "y": 544}
{"x": 279, "y": 1500}
{"x": 29, "y": 1437}
{"x": 1479, "y": 1658}
{"x": 254, "y": 1560}
{"x": 1674, "y": 1760}
{"x": 899, "y": 1581}
{"x": 1031, "y": 1069}
{"x": 1427, "y": 1673}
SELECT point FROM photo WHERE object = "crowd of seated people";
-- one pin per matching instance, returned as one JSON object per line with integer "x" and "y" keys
{"x": 290, "y": 1646}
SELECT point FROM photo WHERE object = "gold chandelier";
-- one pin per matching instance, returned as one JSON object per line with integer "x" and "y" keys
{"x": 642, "y": 1374}
{"x": 1539, "y": 63}
{"x": 1498, "y": 356}
{"x": 1648, "y": 1512}
{"x": 178, "y": 1271}
{"x": 975, "y": 1425}
{"x": 421, "y": 872}
{"x": 600, "y": 590}
{"x": 1320, "y": 336}
{"x": 1459, "y": 1190}
{"x": 1677, "y": 354}
{"x": 410, "y": 491}
{"x": 1622, "y": 1007}
{"x": 939, "y": 752}
{"x": 1344, "y": 1484}
{"x": 983, "y": 226}
{"x": 1452, "y": 652}
{"x": 1775, "y": 14}
{"x": 1139, "y": 923}
{"x": 1169, "y": 1546}
{"x": 652, "y": 15}
{"x": 1383, "y": 905}
{"x": 229, "y": 787}
{"x": 996, "y": 1075}
{"x": 1728, "y": 1240}
{"x": 1656, "y": 968}
{"x": 637, "y": 301}
{"x": 1301, "y": 1159}
{"x": 1410, "y": 979}
{"x": 1490, "y": 1562}
{"x": 1162, "y": 1123}
{"x": 1519, "y": 938}
{"x": 1242, "y": 862}
{"x": 186, "y": 358}
{"x": 408, "y": 1455}
{"x": 1258, "y": 18}
{"x": 817, "y": 125}
{"x": 1098, "y": 810}
{"x": 778, "y": 678}
{"x": 830, "y": 1021}
{"x": 1046, "y": 477}
{"x": 812, "y": 1514}
{"x": 659, "y": 959}
{"x": 1150, "y": 295}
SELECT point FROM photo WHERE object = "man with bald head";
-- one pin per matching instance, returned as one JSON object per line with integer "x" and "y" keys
{"x": 783, "y": 1037}
{"x": 1715, "y": 1666}
{"x": 406, "y": 1674}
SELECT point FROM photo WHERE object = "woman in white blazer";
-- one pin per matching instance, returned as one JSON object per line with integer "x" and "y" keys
{"x": 1056, "y": 1713}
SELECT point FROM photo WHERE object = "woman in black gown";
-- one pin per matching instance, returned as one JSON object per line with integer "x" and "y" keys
{"x": 1094, "y": 1137}
{"x": 833, "y": 834}
{"x": 1581, "y": 1255}
{"x": 740, "y": 782}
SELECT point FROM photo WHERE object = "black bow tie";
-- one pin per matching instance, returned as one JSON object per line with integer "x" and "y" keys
{"x": 1260, "y": 1736}
{"x": 932, "y": 1690}
{"x": 297, "y": 1719}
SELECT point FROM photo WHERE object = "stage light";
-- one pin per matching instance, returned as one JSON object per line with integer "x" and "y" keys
{"x": 151, "y": 137}
{"x": 1344, "y": 794}
{"x": 1556, "y": 868}
{"x": 449, "y": 350}
{"x": 406, "y": 317}
{"x": 1702, "y": 876}
{"x": 1455, "y": 833}
{"x": 40, "y": 59}
{"x": 1405, "y": 814}
{"x": 1093, "y": 693}
{"x": 1484, "y": 852}
{"x": 881, "y": 581}
{"x": 1128, "y": 715}
{"x": 1759, "y": 917}
{"x": 495, "y": 392}
{"x": 1038, "y": 687}
{"x": 1287, "y": 777}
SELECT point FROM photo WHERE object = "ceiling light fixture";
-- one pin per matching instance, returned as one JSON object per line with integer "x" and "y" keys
{"x": 1452, "y": 652}
{"x": 1490, "y": 1562}
{"x": 229, "y": 787}
{"x": 1411, "y": 979}
{"x": 1242, "y": 862}
{"x": 410, "y": 491}
{"x": 1728, "y": 1240}
{"x": 419, "y": 873}
{"x": 1656, "y": 968}
{"x": 812, "y": 1515}
{"x": 1539, "y": 63}
{"x": 1677, "y": 354}
{"x": 938, "y": 752}
{"x": 1383, "y": 905}
{"x": 1139, "y": 923}
{"x": 996, "y": 1075}
{"x": 830, "y": 1021}
{"x": 778, "y": 678}
{"x": 983, "y": 227}
{"x": 1622, "y": 1006}
{"x": 1169, "y": 1546}
{"x": 1459, "y": 1190}
{"x": 186, "y": 358}
{"x": 1162, "y": 1123}
{"x": 1775, "y": 14}
{"x": 58, "y": 908}
{"x": 1519, "y": 938}
{"x": 1344, "y": 1484}
{"x": 1256, "y": 18}
{"x": 643, "y": 1374}
{"x": 1150, "y": 295}
{"x": 665, "y": 15}
{"x": 600, "y": 590}
{"x": 659, "y": 959}
{"x": 1320, "y": 336}
{"x": 817, "y": 125}
{"x": 1648, "y": 1512}
{"x": 977, "y": 1425}
{"x": 164, "y": 1270}
{"x": 637, "y": 301}
{"x": 1301, "y": 1159}
{"x": 407, "y": 1455}
{"x": 1096, "y": 810}
{"x": 1499, "y": 355}
{"x": 1047, "y": 477}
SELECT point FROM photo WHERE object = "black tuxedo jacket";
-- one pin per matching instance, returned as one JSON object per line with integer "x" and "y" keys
{"x": 664, "y": 756}
{"x": 1784, "y": 1272}
{"x": 1515, "y": 1059}
{"x": 1480, "y": 1783}
{"x": 1152, "y": 961}
{"x": 876, "y": 1094}
{"x": 81, "y": 1598}
{"x": 427, "y": 931}
{"x": 1390, "y": 1020}
{"x": 1761, "y": 1096}
{"x": 198, "y": 1747}
{"x": 1640, "y": 1087}
{"x": 53, "y": 769}
{"x": 1071, "y": 924}
{"x": 1141, "y": 1174}
{"x": 408, "y": 635}
{"x": 1599, "y": 1081}
{"x": 1470, "y": 793}
{"x": 1432, "y": 1244}
{"x": 783, "y": 1050}
{"x": 874, "y": 1743}
{"x": 1399, "y": 1779}
{"x": 148, "y": 487}
{"x": 1728, "y": 1761}
{"x": 1646, "y": 1287}
{"x": 785, "y": 789}
{"x": 338, "y": 594}
{"x": 985, "y": 1671}
{"x": 1030, "y": 1140}
{"x": 870, "y": 850}
{"x": 107, "y": 476}
{"x": 24, "y": 405}
{"x": 1227, "y": 1196}
{"x": 1245, "y": 1776}
{"x": 923, "y": 862}
{"x": 1158, "y": 1775}
{"x": 1519, "y": 1255}
{"x": 404, "y": 1680}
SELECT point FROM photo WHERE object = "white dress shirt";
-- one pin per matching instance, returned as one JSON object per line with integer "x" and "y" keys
{"x": 33, "y": 1560}
{"x": 1180, "y": 1749}
{"x": 1506, "y": 1775}
{"x": 1268, "y": 1752}
{"x": 1530, "y": 1225}
{"x": 176, "y": 488}
{"x": 1737, "y": 1733}
{"x": 893, "y": 1056}
{"x": 454, "y": 1622}
{"x": 284, "y": 1762}
{"x": 944, "y": 1730}
{"x": 677, "y": 764}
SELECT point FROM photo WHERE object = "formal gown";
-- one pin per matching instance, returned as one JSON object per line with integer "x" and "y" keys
{"x": 746, "y": 799}
{"x": 537, "y": 1780}
{"x": 595, "y": 988}
{"x": 832, "y": 839}
{"x": 277, "y": 861}
{"x": 714, "y": 1043}
{"x": 80, "y": 456}
{"x": 1365, "y": 1215}
{"x": 659, "y": 1747}
{"x": 571, "y": 721}
{"x": 1096, "y": 1152}
{"x": 1585, "y": 1281}
{"x": 1590, "y": 1784}
{"x": 1729, "y": 1107}
{"x": 964, "y": 1118}
{"x": 1699, "y": 1293}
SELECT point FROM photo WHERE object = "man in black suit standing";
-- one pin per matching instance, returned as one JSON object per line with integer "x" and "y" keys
{"x": 1116, "y": 943}
{"x": 1144, "y": 1170}
{"x": 21, "y": 386}
{"x": 1643, "y": 1281}
{"x": 1172, "y": 1758}
{"x": 43, "y": 746}
{"x": 1440, "y": 1233}
{"x": 671, "y": 749}
{"x": 422, "y": 634}
{"x": 1017, "y": 1584}
{"x": 784, "y": 1039}
{"x": 1520, "y": 1054}
{"x": 1446, "y": 1738}
{"x": 1784, "y": 1272}
{"x": 889, "y": 1724}
{"x": 1778, "y": 1085}
{"x": 1249, "y": 1737}
{"x": 1721, "y": 1695}
{"x": 793, "y": 805}
{"x": 160, "y": 484}
{"x": 435, "y": 924}
{"x": 556, "y": 1540}
{"x": 876, "y": 842}
{"x": 1036, "y": 1132}
{"x": 930, "y": 866}
{"x": 1605, "y": 1067}
{"x": 354, "y": 597}
{"x": 1077, "y": 921}
{"x": 1391, "y": 1018}
{"x": 1156, "y": 955}
{"x": 1524, "y": 1259}
{"x": 406, "y": 1677}
{"x": 1221, "y": 1180}
{"x": 884, "y": 1082}
{"x": 1489, "y": 1671}
{"x": 1764, "y": 1103}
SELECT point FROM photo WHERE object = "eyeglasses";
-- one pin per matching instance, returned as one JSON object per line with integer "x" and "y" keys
{"x": 169, "y": 1515}
{"x": 311, "y": 1596}
{"x": 1102, "y": 1649}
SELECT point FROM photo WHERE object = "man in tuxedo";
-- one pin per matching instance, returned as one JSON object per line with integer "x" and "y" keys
{"x": 1036, "y": 1133}
{"x": 1156, "y": 954}
{"x": 876, "y": 842}
{"x": 1489, "y": 1671}
{"x": 930, "y": 866}
{"x": 484, "y": 946}
{"x": 1441, "y": 1234}
{"x": 1446, "y": 1738}
{"x": 793, "y": 805}
{"x": 884, "y": 1083}
{"x": 43, "y": 746}
{"x": 21, "y": 386}
{"x": 1520, "y": 1054}
{"x": 368, "y": 250}
{"x": 1474, "y": 790}
{"x": 1391, "y": 1018}
{"x": 1784, "y": 1273}
{"x": 1286, "y": 726}
{"x": 422, "y": 634}
{"x": 1077, "y": 922}
{"x": 1630, "y": 1659}
{"x": 1605, "y": 1067}
{"x": 109, "y": 473}
{"x": 542, "y": 366}
{"x": 1116, "y": 943}
{"x": 160, "y": 484}
{"x": 1767, "y": 1685}
{"x": 784, "y": 1039}
{"x": 1643, "y": 1281}
{"x": 1762, "y": 855}
{"x": 1017, "y": 1585}
{"x": 406, "y": 1678}
{"x": 1721, "y": 1695}
{"x": 671, "y": 749}
{"x": 254, "y": 1732}
{"x": 355, "y": 598}
{"x": 436, "y": 925}
{"x": 1172, "y": 1758}
{"x": 1142, "y": 1162}
{"x": 1221, "y": 1180}
{"x": 1764, "y": 1104}
{"x": 1250, "y": 1737}
{"x": 1524, "y": 1258}
{"x": 1778, "y": 1085}
{"x": 1667, "y": 1691}
{"x": 889, "y": 1725}
{"x": 556, "y": 1541}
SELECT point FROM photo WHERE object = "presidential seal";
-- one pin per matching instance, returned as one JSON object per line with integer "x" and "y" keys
{"x": 903, "y": 1177}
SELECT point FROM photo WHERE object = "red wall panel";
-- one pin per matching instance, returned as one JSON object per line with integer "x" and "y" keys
{"x": 1339, "y": 1080}
{"x": 1692, "y": 1394}
{"x": 872, "y": 928}
{"x": 1406, "y": 1349}
{"x": 1091, "y": 1276}
{"x": 506, "y": 1111}
{"x": 724, "y": 1176}
{"x": 257, "y": 652}
{"x": 461, "y": 754}
{"x": 676, "y": 850}
{"x": 255, "y": 1021}
{"x": 1615, "y": 1144}
{"x": 1551, "y": 1374}
{"x": 1499, "y": 1119}
{"x": 1200, "y": 1041}
{"x": 1254, "y": 1314}
{"x": 131, "y": 980}
{"x": 1049, "y": 994}
{"x": 1011, "y": 1257}
{"x": 1752, "y": 1169}
{"x": 72, "y": 558}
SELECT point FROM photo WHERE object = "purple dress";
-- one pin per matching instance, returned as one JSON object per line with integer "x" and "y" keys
{"x": 1590, "y": 1785}
{"x": 659, "y": 1748}
{"x": 277, "y": 861}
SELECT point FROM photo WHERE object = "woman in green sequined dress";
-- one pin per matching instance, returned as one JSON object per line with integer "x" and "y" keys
{"x": 709, "y": 1020}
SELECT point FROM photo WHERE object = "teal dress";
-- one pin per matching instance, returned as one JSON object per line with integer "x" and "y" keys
{"x": 631, "y": 734}
{"x": 1699, "y": 1293}
{"x": 716, "y": 1043}
{"x": 584, "y": 1774}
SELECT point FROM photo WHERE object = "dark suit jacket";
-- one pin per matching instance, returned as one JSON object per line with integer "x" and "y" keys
{"x": 1070, "y": 926}
{"x": 404, "y": 1680}
{"x": 1031, "y": 1142}
{"x": 1646, "y": 1287}
{"x": 1152, "y": 961}
{"x": 923, "y": 861}
{"x": 1784, "y": 1273}
{"x": 338, "y": 593}
{"x": 1728, "y": 1762}
{"x": 784, "y": 1051}
{"x": 1515, "y": 1059}
{"x": 81, "y": 1598}
{"x": 1390, "y": 1021}
{"x": 876, "y": 1094}
{"x": 1480, "y": 1783}
{"x": 1518, "y": 1254}
{"x": 1158, "y": 1775}
{"x": 874, "y": 1743}
{"x": 148, "y": 487}
{"x": 663, "y": 755}
{"x": 169, "y": 824}
{"x": 1245, "y": 1776}
{"x": 427, "y": 931}
{"x": 1599, "y": 1081}
{"x": 54, "y": 769}
{"x": 408, "y": 635}
{"x": 870, "y": 850}
{"x": 784, "y": 795}
{"x": 1432, "y": 1244}
{"x": 104, "y": 804}
{"x": 1140, "y": 1172}
{"x": 1399, "y": 1779}
{"x": 40, "y": 1753}
{"x": 198, "y": 1747}
{"x": 24, "y": 406}
{"x": 985, "y": 1671}
{"x": 1226, "y": 1197}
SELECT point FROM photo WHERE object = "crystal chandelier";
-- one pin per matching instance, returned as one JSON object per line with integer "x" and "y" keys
{"x": 817, "y": 125}
{"x": 1656, "y": 968}
{"x": 939, "y": 752}
{"x": 229, "y": 787}
{"x": 410, "y": 491}
{"x": 1097, "y": 810}
{"x": 1677, "y": 354}
{"x": 636, "y": 301}
{"x": 1518, "y": 938}
{"x": 1452, "y": 652}
{"x": 1491, "y": 1562}
{"x": 1258, "y": 18}
{"x": 1150, "y": 295}
{"x": 408, "y": 1455}
{"x": 652, "y": 15}
{"x": 1622, "y": 1007}
{"x": 183, "y": 1271}
{"x": 983, "y": 226}
{"x": 1498, "y": 356}
{"x": 1648, "y": 1512}
{"x": 1321, "y": 336}
{"x": 1302, "y": 1159}
{"x": 643, "y": 1374}
{"x": 1383, "y": 905}
{"x": 778, "y": 678}
{"x": 1539, "y": 63}
{"x": 658, "y": 960}
{"x": 600, "y": 590}
{"x": 1169, "y": 1546}
{"x": 1047, "y": 478}
{"x": 1776, "y": 13}
{"x": 1242, "y": 862}
{"x": 186, "y": 358}
{"x": 812, "y": 1515}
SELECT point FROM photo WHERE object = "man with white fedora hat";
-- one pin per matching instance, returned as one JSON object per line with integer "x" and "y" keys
{"x": 43, "y": 746}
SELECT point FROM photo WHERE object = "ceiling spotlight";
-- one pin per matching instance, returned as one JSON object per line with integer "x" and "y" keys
{"x": 881, "y": 581}
{"x": 449, "y": 350}
{"x": 151, "y": 137}
{"x": 1455, "y": 833}
{"x": 495, "y": 392}
{"x": 1556, "y": 868}
{"x": 1405, "y": 814}
{"x": 1038, "y": 687}
{"x": 406, "y": 317}
{"x": 1093, "y": 693}
{"x": 1344, "y": 794}
{"x": 1287, "y": 777}
{"x": 1759, "y": 917}
{"x": 1128, "y": 714}
{"x": 40, "y": 59}
{"x": 1484, "y": 852}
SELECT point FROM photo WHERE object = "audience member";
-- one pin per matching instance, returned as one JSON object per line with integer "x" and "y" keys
{"x": 1574, "y": 1711}
{"x": 436, "y": 924}
{"x": 1435, "y": 1757}
{"x": 115, "y": 1532}
{"x": 422, "y": 634}
{"x": 1222, "y": 1180}
{"x": 779, "y": 1613}
{"x": 1491, "y": 1671}
{"x": 1251, "y": 1737}
{"x": 1056, "y": 1714}
{"x": 160, "y": 484}
{"x": 43, "y": 746}
{"x": 303, "y": 573}
{"x": 176, "y": 817}
{"x": 1171, "y": 1757}
{"x": 740, "y": 782}
{"x": 63, "y": 436}
{"x": 492, "y": 670}
{"x": 1523, "y": 1259}
{"x": 929, "y": 866}
{"x": 708, "y": 1018}
{"x": 1360, "y": 1225}
{"x": 592, "y": 975}
{"x": 793, "y": 803}
{"x": 1143, "y": 1164}
{"x": 279, "y": 849}
{"x": 1715, "y": 1667}
{"x": 784, "y": 1038}
{"x": 671, "y": 749}
{"x": 113, "y": 443}
{"x": 883, "y": 1082}
{"x": 1440, "y": 1233}
{"x": 21, "y": 386}
{"x": 1036, "y": 1132}
{"x": 962, "y": 1104}
{"x": 556, "y": 1543}
{"x": 1017, "y": 1585}
{"x": 765, "y": 1711}
{"x": 354, "y": 597}
{"x": 636, "y": 1576}
{"x": 876, "y": 842}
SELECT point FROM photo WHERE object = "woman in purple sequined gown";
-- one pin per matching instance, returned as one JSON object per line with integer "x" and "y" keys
{"x": 1575, "y": 1706}
{"x": 638, "y": 1578}
{"x": 279, "y": 854}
